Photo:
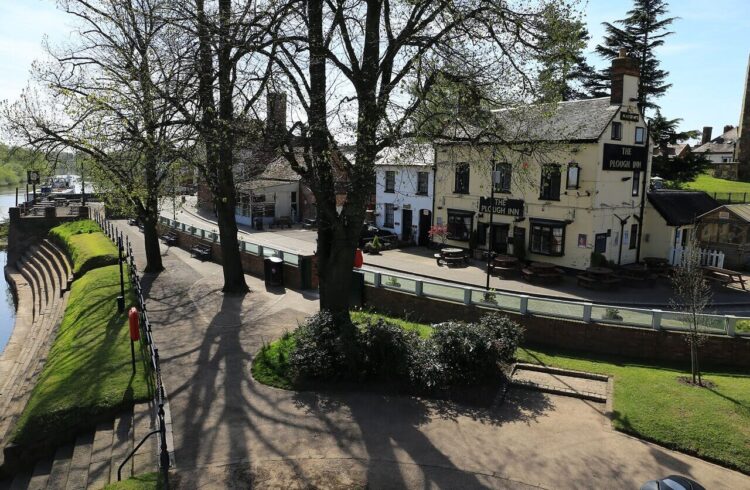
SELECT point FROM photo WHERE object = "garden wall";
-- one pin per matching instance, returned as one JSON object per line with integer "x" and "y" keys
{"x": 597, "y": 338}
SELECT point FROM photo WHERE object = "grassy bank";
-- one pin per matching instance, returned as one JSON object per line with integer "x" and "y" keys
{"x": 148, "y": 481}
{"x": 4, "y": 234}
{"x": 88, "y": 372}
{"x": 711, "y": 184}
{"x": 649, "y": 401}
{"x": 86, "y": 244}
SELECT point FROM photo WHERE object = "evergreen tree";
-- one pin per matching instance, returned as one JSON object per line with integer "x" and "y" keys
{"x": 640, "y": 33}
{"x": 675, "y": 170}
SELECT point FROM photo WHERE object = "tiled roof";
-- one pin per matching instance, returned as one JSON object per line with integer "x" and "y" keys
{"x": 681, "y": 207}
{"x": 417, "y": 154}
{"x": 721, "y": 144}
{"x": 576, "y": 120}
{"x": 742, "y": 211}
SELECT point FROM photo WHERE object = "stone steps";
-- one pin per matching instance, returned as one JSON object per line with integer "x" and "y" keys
{"x": 93, "y": 459}
{"x": 577, "y": 384}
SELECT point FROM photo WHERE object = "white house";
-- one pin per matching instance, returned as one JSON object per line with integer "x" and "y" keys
{"x": 403, "y": 191}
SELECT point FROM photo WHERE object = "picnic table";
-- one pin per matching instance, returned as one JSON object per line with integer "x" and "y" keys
{"x": 541, "y": 271}
{"x": 451, "y": 257}
{"x": 504, "y": 265}
{"x": 724, "y": 276}
{"x": 201, "y": 251}
{"x": 170, "y": 238}
{"x": 598, "y": 278}
{"x": 636, "y": 274}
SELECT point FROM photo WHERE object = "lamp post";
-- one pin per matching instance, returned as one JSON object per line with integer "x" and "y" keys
{"x": 121, "y": 298}
{"x": 494, "y": 180}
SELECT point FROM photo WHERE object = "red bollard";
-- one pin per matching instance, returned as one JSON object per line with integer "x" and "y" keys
{"x": 135, "y": 332}
{"x": 358, "y": 258}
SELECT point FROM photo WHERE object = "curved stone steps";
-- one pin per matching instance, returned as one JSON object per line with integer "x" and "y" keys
{"x": 45, "y": 285}
{"x": 56, "y": 265}
{"x": 68, "y": 266}
{"x": 32, "y": 282}
{"x": 93, "y": 459}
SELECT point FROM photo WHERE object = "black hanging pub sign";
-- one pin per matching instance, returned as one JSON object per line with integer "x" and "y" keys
{"x": 624, "y": 158}
{"x": 502, "y": 206}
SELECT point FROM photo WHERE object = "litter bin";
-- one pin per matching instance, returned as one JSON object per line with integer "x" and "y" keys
{"x": 273, "y": 271}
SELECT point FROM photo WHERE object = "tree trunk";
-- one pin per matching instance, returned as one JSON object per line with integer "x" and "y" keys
{"x": 692, "y": 361}
{"x": 231, "y": 266}
{"x": 151, "y": 243}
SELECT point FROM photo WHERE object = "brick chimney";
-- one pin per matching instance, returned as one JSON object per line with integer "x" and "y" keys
{"x": 625, "y": 79}
{"x": 275, "y": 112}
{"x": 743, "y": 144}
{"x": 706, "y": 135}
{"x": 727, "y": 128}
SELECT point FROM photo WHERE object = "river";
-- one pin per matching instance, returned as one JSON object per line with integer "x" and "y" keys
{"x": 7, "y": 308}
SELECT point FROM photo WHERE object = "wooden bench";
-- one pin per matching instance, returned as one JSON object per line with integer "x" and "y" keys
{"x": 450, "y": 261}
{"x": 530, "y": 275}
{"x": 201, "y": 251}
{"x": 170, "y": 238}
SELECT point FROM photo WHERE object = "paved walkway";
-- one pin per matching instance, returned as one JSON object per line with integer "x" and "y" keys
{"x": 418, "y": 262}
{"x": 230, "y": 431}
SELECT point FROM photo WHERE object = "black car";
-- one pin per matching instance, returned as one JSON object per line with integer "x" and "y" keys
{"x": 672, "y": 482}
{"x": 369, "y": 232}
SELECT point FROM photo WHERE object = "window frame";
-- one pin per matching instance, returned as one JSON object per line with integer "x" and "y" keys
{"x": 550, "y": 171}
{"x": 392, "y": 180}
{"x": 633, "y": 236}
{"x": 426, "y": 183}
{"x": 568, "y": 185}
{"x": 616, "y": 132}
{"x": 636, "y": 189}
{"x": 547, "y": 227}
{"x": 455, "y": 214}
{"x": 642, "y": 131}
{"x": 386, "y": 207}
{"x": 462, "y": 168}
{"x": 507, "y": 178}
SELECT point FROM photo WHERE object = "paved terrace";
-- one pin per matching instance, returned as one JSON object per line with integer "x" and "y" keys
{"x": 230, "y": 431}
{"x": 418, "y": 263}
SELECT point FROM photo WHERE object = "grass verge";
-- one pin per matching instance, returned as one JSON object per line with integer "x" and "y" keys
{"x": 88, "y": 373}
{"x": 649, "y": 402}
{"x": 709, "y": 183}
{"x": 87, "y": 245}
{"x": 147, "y": 481}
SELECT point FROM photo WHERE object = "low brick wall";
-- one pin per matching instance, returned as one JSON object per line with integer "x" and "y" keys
{"x": 24, "y": 231}
{"x": 294, "y": 277}
{"x": 569, "y": 334}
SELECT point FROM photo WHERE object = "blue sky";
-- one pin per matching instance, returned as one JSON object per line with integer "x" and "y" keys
{"x": 707, "y": 56}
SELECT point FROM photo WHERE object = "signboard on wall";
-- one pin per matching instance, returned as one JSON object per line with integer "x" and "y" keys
{"x": 502, "y": 206}
{"x": 624, "y": 157}
{"x": 629, "y": 116}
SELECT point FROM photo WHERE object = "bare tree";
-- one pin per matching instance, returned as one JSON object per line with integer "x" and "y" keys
{"x": 363, "y": 72}
{"x": 692, "y": 296}
{"x": 98, "y": 98}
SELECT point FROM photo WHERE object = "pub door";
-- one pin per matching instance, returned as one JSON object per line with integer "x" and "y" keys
{"x": 499, "y": 239}
{"x": 425, "y": 221}
{"x": 406, "y": 225}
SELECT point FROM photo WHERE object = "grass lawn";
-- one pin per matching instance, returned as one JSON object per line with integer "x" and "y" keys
{"x": 148, "y": 481}
{"x": 86, "y": 244}
{"x": 649, "y": 401}
{"x": 88, "y": 372}
{"x": 711, "y": 184}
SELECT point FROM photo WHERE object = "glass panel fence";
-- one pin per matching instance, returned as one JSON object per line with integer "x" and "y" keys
{"x": 742, "y": 326}
{"x": 442, "y": 291}
{"x": 291, "y": 259}
{"x": 369, "y": 277}
{"x": 682, "y": 321}
{"x": 400, "y": 283}
{"x": 496, "y": 299}
{"x": 623, "y": 316}
{"x": 540, "y": 306}
{"x": 252, "y": 248}
{"x": 270, "y": 252}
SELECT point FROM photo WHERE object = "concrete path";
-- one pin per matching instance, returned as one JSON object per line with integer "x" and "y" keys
{"x": 418, "y": 262}
{"x": 230, "y": 431}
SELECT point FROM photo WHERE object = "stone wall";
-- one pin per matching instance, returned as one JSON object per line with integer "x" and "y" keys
{"x": 24, "y": 231}
{"x": 569, "y": 334}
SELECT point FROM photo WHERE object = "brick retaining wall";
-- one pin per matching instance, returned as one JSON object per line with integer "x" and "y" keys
{"x": 570, "y": 334}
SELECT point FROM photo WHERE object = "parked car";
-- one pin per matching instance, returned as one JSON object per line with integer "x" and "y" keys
{"x": 387, "y": 238}
{"x": 672, "y": 482}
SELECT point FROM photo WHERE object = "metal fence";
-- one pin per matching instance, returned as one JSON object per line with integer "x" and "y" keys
{"x": 730, "y": 197}
{"x": 146, "y": 334}
{"x": 289, "y": 257}
{"x": 523, "y": 304}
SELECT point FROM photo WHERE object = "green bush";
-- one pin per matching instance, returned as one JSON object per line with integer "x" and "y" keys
{"x": 387, "y": 351}
{"x": 317, "y": 350}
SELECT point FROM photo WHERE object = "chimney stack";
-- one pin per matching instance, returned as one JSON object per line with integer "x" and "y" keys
{"x": 624, "y": 89}
{"x": 706, "y": 135}
{"x": 727, "y": 128}
{"x": 275, "y": 112}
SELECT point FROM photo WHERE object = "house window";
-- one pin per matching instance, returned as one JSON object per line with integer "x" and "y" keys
{"x": 388, "y": 221}
{"x": 574, "y": 172}
{"x": 422, "y": 181}
{"x": 640, "y": 135}
{"x": 390, "y": 181}
{"x": 616, "y": 131}
{"x": 462, "y": 179}
{"x": 482, "y": 233}
{"x": 633, "y": 236}
{"x": 636, "y": 182}
{"x": 726, "y": 159}
{"x": 547, "y": 239}
{"x": 600, "y": 243}
{"x": 460, "y": 224}
{"x": 501, "y": 181}
{"x": 550, "y": 185}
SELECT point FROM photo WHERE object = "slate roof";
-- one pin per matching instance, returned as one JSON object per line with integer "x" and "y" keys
{"x": 575, "y": 120}
{"x": 721, "y": 144}
{"x": 681, "y": 207}
{"x": 276, "y": 172}
{"x": 416, "y": 154}
{"x": 742, "y": 211}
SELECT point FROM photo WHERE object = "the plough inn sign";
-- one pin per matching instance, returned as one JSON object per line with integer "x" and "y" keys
{"x": 626, "y": 158}
{"x": 502, "y": 205}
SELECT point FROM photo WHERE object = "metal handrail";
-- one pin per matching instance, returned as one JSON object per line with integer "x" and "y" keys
{"x": 145, "y": 324}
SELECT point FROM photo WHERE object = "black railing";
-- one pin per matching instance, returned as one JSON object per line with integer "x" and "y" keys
{"x": 146, "y": 336}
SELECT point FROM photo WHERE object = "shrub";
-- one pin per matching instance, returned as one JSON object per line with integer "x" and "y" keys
{"x": 506, "y": 335}
{"x": 317, "y": 353}
{"x": 387, "y": 351}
